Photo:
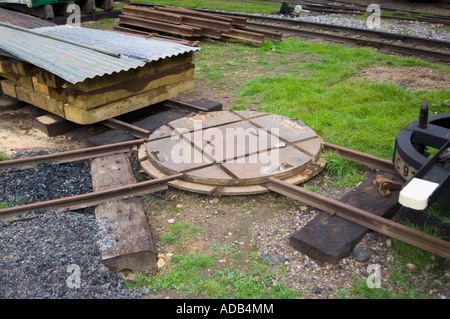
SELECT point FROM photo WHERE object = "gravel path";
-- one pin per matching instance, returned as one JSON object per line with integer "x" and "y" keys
{"x": 48, "y": 254}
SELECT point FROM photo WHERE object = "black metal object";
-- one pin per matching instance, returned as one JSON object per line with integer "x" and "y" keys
{"x": 411, "y": 156}
{"x": 285, "y": 9}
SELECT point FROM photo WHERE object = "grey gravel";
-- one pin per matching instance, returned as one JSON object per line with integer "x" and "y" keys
{"x": 405, "y": 27}
{"x": 50, "y": 254}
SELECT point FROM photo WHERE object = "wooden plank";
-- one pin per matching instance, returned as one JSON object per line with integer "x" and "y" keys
{"x": 132, "y": 103}
{"x": 49, "y": 79}
{"x": 53, "y": 93}
{"x": 24, "y": 81}
{"x": 9, "y": 88}
{"x": 126, "y": 242}
{"x": 54, "y": 125}
{"x": 9, "y": 75}
{"x": 124, "y": 90}
{"x": 5, "y": 66}
{"x": 24, "y": 94}
{"x": 22, "y": 68}
{"x": 107, "y": 80}
{"x": 330, "y": 238}
{"x": 40, "y": 100}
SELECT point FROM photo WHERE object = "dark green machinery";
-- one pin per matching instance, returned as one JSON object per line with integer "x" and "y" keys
{"x": 49, "y": 9}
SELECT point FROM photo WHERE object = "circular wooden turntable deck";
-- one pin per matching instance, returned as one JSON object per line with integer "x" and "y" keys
{"x": 232, "y": 153}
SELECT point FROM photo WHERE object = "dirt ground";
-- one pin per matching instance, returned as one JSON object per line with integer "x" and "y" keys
{"x": 258, "y": 222}
{"x": 424, "y": 79}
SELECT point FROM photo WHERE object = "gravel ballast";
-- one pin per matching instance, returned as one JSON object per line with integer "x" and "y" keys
{"x": 50, "y": 254}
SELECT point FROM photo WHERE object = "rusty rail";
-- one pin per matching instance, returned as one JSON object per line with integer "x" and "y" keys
{"x": 94, "y": 198}
{"x": 382, "y": 225}
{"x": 191, "y": 23}
{"x": 70, "y": 156}
{"x": 361, "y": 158}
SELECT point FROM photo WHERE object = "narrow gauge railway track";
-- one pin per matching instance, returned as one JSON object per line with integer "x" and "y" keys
{"x": 371, "y": 221}
{"x": 359, "y": 216}
{"x": 343, "y": 7}
{"x": 412, "y": 46}
{"x": 83, "y": 200}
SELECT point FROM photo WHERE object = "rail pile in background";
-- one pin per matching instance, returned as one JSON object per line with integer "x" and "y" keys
{"x": 187, "y": 23}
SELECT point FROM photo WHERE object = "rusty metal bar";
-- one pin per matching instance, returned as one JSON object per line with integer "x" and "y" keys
{"x": 181, "y": 30}
{"x": 244, "y": 35}
{"x": 237, "y": 21}
{"x": 127, "y": 127}
{"x": 382, "y": 225}
{"x": 94, "y": 198}
{"x": 361, "y": 158}
{"x": 207, "y": 23}
{"x": 149, "y": 13}
{"x": 70, "y": 156}
{"x": 271, "y": 35}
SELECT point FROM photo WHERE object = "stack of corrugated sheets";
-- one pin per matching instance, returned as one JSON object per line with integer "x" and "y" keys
{"x": 87, "y": 76}
{"x": 189, "y": 23}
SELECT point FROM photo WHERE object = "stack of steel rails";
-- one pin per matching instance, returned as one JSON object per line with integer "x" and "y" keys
{"x": 187, "y": 23}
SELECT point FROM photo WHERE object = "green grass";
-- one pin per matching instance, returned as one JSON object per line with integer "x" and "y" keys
{"x": 401, "y": 278}
{"x": 343, "y": 172}
{"x": 250, "y": 6}
{"x": 3, "y": 156}
{"x": 195, "y": 275}
{"x": 321, "y": 90}
{"x": 179, "y": 231}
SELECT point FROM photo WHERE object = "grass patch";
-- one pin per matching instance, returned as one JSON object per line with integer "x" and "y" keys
{"x": 423, "y": 260}
{"x": 402, "y": 280}
{"x": 179, "y": 231}
{"x": 194, "y": 275}
{"x": 316, "y": 83}
{"x": 106, "y": 24}
{"x": 343, "y": 172}
{"x": 3, "y": 156}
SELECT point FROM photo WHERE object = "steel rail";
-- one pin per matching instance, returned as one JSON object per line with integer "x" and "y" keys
{"x": 127, "y": 128}
{"x": 304, "y": 28}
{"x": 361, "y": 158}
{"x": 380, "y": 224}
{"x": 94, "y": 198}
{"x": 70, "y": 156}
{"x": 322, "y": 26}
{"x": 403, "y": 49}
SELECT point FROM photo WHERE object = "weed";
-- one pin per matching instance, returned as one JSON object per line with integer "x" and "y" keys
{"x": 3, "y": 156}
{"x": 224, "y": 249}
{"x": 343, "y": 172}
{"x": 423, "y": 260}
{"x": 179, "y": 231}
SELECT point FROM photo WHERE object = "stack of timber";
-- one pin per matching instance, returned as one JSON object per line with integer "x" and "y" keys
{"x": 100, "y": 98}
{"x": 103, "y": 94}
{"x": 188, "y": 23}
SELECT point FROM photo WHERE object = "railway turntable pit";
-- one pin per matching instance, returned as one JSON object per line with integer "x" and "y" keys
{"x": 232, "y": 153}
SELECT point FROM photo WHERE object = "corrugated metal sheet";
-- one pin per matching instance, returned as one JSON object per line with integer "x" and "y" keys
{"x": 23, "y": 20}
{"x": 131, "y": 46}
{"x": 76, "y": 64}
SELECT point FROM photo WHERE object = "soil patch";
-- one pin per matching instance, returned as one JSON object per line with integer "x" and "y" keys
{"x": 423, "y": 79}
